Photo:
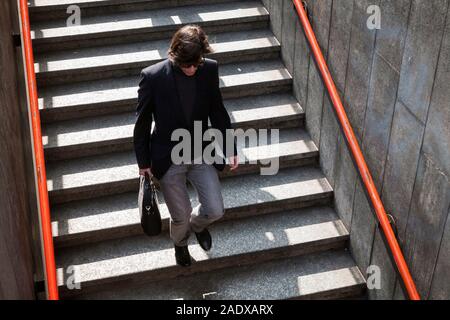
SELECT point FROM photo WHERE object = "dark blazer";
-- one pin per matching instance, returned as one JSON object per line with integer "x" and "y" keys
{"x": 158, "y": 101}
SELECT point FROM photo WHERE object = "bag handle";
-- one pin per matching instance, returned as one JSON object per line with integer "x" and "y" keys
{"x": 150, "y": 181}
{"x": 148, "y": 177}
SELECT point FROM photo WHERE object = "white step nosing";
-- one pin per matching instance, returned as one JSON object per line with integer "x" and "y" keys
{"x": 140, "y": 25}
{"x": 58, "y": 196}
{"x": 271, "y": 73}
{"x": 230, "y": 261}
{"x": 48, "y": 6}
{"x": 143, "y": 30}
{"x": 331, "y": 288}
{"x": 127, "y": 137}
{"x": 104, "y": 65}
{"x": 133, "y": 225}
{"x": 257, "y": 155}
{"x": 258, "y": 112}
{"x": 294, "y": 188}
{"x": 62, "y": 5}
{"x": 43, "y": 76}
{"x": 330, "y": 275}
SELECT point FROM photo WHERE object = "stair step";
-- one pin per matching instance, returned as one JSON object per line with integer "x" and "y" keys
{"x": 53, "y": 9}
{"x": 111, "y": 133}
{"x": 116, "y": 216}
{"x": 128, "y": 59}
{"x": 247, "y": 241}
{"x": 147, "y": 24}
{"x": 109, "y": 96}
{"x": 115, "y": 173}
{"x": 324, "y": 275}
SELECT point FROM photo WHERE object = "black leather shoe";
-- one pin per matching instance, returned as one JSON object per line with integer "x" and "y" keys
{"x": 204, "y": 239}
{"x": 182, "y": 256}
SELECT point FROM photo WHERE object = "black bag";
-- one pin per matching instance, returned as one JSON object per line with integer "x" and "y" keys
{"x": 148, "y": 207}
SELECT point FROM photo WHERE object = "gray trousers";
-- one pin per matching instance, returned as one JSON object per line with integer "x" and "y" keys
{"x": 185, "y": 219}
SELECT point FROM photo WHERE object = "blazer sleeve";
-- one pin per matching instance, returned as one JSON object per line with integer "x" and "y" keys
{"x": 144, "y": 119}
{"x": 218, "y": 115}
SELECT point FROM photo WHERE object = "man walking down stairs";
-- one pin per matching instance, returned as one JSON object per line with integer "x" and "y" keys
{"x": 279, "y": 237}
{"x": 194, "y": 83}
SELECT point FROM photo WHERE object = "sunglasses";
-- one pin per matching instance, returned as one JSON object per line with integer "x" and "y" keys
{"x": 196, "y": 64}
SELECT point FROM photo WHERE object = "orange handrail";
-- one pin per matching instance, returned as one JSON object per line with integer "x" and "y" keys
{"x": 44, "y": 207}
{"x": 357, "y": 154}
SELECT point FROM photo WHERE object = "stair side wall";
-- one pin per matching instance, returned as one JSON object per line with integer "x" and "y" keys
{"x": 393, "y": 83}
{"x": 20, "y": 261}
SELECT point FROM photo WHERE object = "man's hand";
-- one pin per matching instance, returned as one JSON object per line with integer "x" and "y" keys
{"x": 233, "y": 162}
{"x": 144, "y": 171}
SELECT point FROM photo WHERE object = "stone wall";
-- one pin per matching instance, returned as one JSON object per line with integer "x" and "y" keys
{"x": 20, "y": 262}
{"x": 394, "y": 83}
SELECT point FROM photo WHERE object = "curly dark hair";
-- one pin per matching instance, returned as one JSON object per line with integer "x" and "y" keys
{"x": 189, "y": 44}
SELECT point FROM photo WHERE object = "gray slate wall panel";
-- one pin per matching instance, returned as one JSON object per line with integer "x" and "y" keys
{"x": 440, "y": 288}
{"x": 437, "y": 132}
{"x": 329, "y": 132}
{"x": 380, "y": 110}
{"x": 426, "y": 223}
{"x": 301, "y": 65}
{"x": 359, "y": 66}
{"x": 394, "y": 26}
{"x": 266, "y": 4}
{"x": 343, "y": 170}
{"x": 340, "y": 32}
{"x": 361, "y": 52}
{"x": 421, "y": 54}
{"x": 382, "y": 259}
{"x": 344, "y": 187}
{"x": 363, "y": 229}
{"x": 288, "y": 35}
{"x": 399, "y": 292}
{"x": 382, "y": 96}
{"x": 276, "y": 18}
{"x": 318, "y": 102}
{"x": 401, "y": 165}
{"x": 321, "y": 25}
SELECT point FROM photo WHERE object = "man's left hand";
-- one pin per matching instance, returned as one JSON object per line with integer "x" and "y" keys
{"x": 233, "y": 162}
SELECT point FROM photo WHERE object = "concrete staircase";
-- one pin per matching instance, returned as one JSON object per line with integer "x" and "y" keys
{"x": 280, "y": 237}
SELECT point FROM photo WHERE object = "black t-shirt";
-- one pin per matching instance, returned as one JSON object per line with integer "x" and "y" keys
{"x": 186, "y": 86}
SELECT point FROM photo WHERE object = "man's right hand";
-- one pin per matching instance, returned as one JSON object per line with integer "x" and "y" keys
{"x": 144, "y": 171}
